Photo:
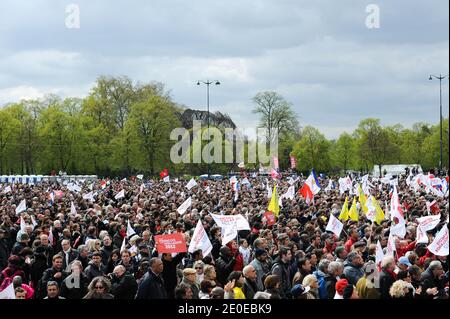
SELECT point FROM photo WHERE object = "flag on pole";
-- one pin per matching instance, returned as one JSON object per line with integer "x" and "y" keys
{"x": 73, "y": 211}
{"x": 274, "y": 206}
{"x": 311, "y": 187}
{"x": 164, "y": 173}
{"x": 22, "y": 207}
{"x": 379, "y": 254}
{"x": 362, "y": 199}
{"x": 124, "y": 245}
{"x": 23, "y": 226}
{"x": 439, "y": 246}
{"x": 7, "y": 190}
{"x": 130, "y": 230}
{"x": 8, "y": 292}
{"x": 334, "y": 225}
{"x": 344, "y": 211}
{"x": 191, "y": 184}
{"x": 140, "y": 176}
{"x": 200, "y": 240}
{"x": 183, "y": 207}
{"x": 33, "y": 221}
{"x": 120, "y": 194}
{"x": 353, "y": 213}
{"x": 379, "y": 216}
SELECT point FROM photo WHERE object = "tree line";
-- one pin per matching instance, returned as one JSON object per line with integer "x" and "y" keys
{"x": 123, "y": 128}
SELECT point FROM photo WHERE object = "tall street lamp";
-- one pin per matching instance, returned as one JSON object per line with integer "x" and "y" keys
{"x": 440, "y": 78}
{"x": 208, "y": 83}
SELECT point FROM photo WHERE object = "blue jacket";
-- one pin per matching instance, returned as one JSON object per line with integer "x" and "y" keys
{"x": 323, "y": 294}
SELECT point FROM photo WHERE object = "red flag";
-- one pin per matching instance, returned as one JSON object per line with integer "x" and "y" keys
{"x": 306, "y": 192}
{"x": 270, "y": 217}
{"x": 275, "y": 174}
{"x": 164, "y": 173}
{"x": 168, "y": 244}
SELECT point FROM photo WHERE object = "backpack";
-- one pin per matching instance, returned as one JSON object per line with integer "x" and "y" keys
{"x": 8, "y": 279}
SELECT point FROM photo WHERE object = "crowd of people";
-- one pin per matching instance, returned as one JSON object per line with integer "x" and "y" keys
{"x": 66, "y": 245}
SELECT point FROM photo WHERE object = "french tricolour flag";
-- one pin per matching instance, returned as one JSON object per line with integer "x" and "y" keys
{"x": 310, "y": 187}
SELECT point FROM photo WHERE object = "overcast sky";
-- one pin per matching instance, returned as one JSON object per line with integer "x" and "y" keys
{"x": 319, "y": 54}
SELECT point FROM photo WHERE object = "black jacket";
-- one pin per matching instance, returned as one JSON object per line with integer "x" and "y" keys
{"x": 93, "y": 271}
{"x": 49, "y": 275}
{"x": 282, "y": 270}
{"x": 73, "y": 254}
{"x": 151, "y": 287}
{"x": 17, "y": 248}
{"x": 216, "y": 244}
{"x": 124, "y": 287}
{"x": 169, "y": 274}
{"x": 428, "y": 280}
{"x": 106, "y": 252}
{"x": 249, "y": 288}
{"x": 224, "y": 267}
{"x": 330, "y": 285}
{"x": 4, "y": 254}
{"x": 77, "y": 291}
{"x": 386, "y": 281}
{"x": 37, "y": 268}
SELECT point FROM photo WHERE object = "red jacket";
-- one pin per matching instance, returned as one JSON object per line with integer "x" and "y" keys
{"x": 348, "y": 245}
{"x": 402, "y": 251}
{"x": 239, "y": 264}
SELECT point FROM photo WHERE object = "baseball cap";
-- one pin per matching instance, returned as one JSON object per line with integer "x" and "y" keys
{"x": 404, "y": 261}
{"x": 298, "y": 290}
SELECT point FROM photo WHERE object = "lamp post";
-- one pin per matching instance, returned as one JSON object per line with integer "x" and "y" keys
{"x": 440, "y": 78}
{"x": 208, "y": 83}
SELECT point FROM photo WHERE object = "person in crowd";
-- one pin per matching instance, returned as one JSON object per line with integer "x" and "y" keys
{"x": 99, "y": 289}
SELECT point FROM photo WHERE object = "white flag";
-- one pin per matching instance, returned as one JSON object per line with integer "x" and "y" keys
{"x": 130, "y": 230}
{"x": 50, "y": 236}
{"x": 245, "y": 181}
{"x": 439, "y": 246}
{"x": 73, "y": 210}
{"x": 208, "y": 190}
{"x": 22, "y": 207}
{"x": 33, "y": 221}
{"x": 183, "y": 207}
{"x": 170, "y": 191}
{"x": 229, "y": 233}
{"x": 398, "y": 230}
{"x": 89, "y": 196}
{"x": 379, "y": 254}
{"x": 421, "y": 236}
{"x": 140, "y": 176}
{"x": 200, "y": 240}
{"x": 7, "y": 190}
{"x": 241, "y": 222}
{"x": 192, "y": 183}
{"x": 334, "y": 225}
{"x": 23, "y": 226}
{"x": 123, "y": 246}
{"x": 124, "y": 179}
{"x": 183, "y": 195}
{"x": 120, "y": 194}
{"x": 290, "y": 194}
{"x": 8, "y": 292}
{"x": 176, "y": 180}
{"x": 429, "y": 222}
{"x": 390, "y": 246}
{"x": 166, "y": 179}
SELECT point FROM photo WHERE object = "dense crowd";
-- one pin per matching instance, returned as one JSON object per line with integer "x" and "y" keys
{"x": 69, "y": 245}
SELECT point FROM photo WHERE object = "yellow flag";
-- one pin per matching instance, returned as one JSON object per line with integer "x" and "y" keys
{"x": 353, "y": 213}
{"x": 344, "y": 212}
{"x": 273, "y": 205}
{"x": 362, "y": 199}
{"x": 379, "y": 215}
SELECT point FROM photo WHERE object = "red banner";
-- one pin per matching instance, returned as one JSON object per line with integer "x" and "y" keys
{"x": 293, "y": 162}
{"x": 168, "y": 244}
{"x": 270, "y": 217}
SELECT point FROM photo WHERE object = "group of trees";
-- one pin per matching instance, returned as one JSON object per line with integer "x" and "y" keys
{"x": 123, "y": 128}
{"x": 368, "y": 145}
{"x": 118, "y": 129}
